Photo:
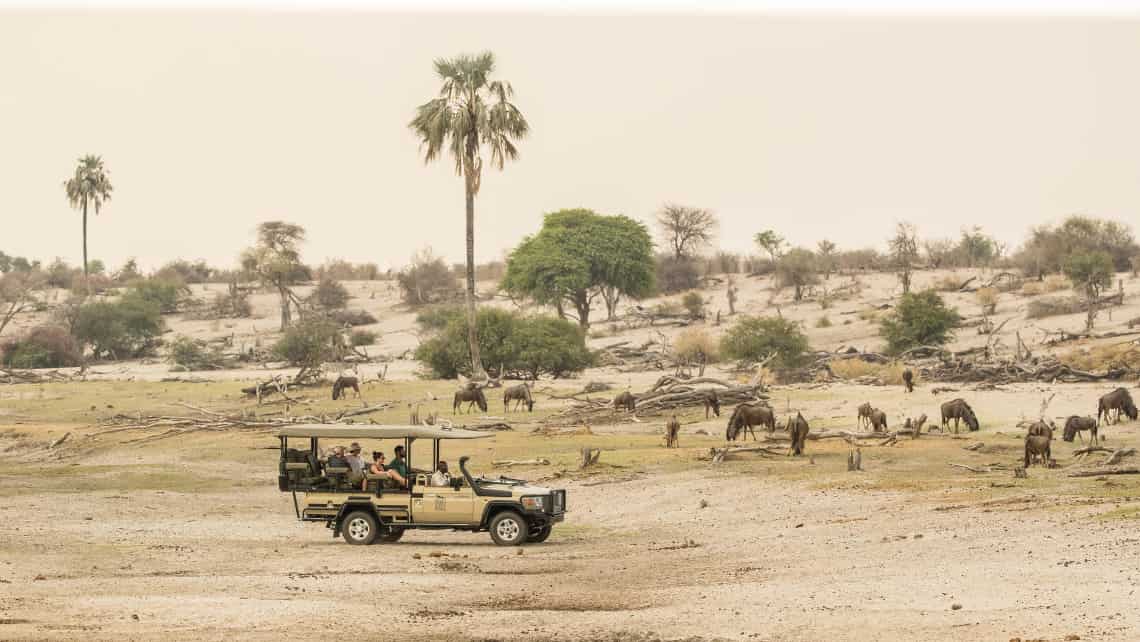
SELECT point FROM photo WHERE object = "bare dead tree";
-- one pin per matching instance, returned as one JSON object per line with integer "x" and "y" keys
{"x": 686, "y": 229}
{"x": 18, "y": 294}
{"x": 904, "y": 253}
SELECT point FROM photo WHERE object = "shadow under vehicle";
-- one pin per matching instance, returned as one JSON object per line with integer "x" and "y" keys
{"x": 377, "y": 510}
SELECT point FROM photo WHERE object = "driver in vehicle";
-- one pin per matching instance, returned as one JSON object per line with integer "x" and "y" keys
{"x": 441, "y": 477}
{"x": 399, "y": 464}
{"x": 380, "y": 470}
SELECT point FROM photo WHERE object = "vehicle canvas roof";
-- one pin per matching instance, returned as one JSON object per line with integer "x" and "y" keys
{"x": 372, "y": 431}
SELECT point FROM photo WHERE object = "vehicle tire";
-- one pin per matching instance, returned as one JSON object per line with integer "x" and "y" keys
{"x": 392, "y": 535}
{"x": 508, "y": 528}
{"x": 360, "y": 528}
{"x": 539, "y": 536}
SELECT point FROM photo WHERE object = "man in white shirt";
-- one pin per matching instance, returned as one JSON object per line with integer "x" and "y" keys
{"x": 441, "y": 477}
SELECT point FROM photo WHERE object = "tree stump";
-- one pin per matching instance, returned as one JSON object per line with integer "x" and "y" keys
{"x": 1020, "y": 473}
{"x": 855, "y": 460}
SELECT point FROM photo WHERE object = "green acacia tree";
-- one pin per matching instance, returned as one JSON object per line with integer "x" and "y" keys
{"x": 276, "y": 262}
{"x": 1091, "y": 272}
{"x": 89, "y": 187}
{"x": 798, "y": 269}
{"x": 578, "y": 256}
{"x": 770, "y": 242}
{"x": 472, "y": 111}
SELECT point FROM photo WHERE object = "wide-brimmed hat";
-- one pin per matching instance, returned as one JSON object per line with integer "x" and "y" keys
{"x": 354, "y": 448}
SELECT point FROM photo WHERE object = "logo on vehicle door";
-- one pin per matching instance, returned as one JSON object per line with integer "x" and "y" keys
{"x": 440, "y": 503}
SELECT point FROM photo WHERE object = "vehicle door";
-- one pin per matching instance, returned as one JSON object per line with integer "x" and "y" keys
{"x": 442, "y": 504}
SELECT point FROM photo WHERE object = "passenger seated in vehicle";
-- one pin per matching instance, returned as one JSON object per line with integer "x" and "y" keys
{"x": 399, "y": 464}
{"x": 355, "y": 464}
{"x": 378, "y": 469}
{"x": 441, "y": 477}
{"x": 336, "y": 458}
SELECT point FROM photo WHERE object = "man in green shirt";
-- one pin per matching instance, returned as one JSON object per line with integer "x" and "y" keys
{"x": 399, "y": 464}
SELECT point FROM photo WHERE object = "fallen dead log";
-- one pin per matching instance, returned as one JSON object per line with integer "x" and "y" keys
{"x": 969, "y": 468}
{"x": 717, "y": 455}
{"x": 520, "y": 462}
{"x": 1097, "y": 472}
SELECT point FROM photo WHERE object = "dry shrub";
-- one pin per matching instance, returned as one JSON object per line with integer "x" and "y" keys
{"x": 695, "y": 346}
{"x": 1103, "y": 357}
{"x": 1032, "y": 288}
{"x": 823, "y": 322}
{"x": 888, "y": 373}
{"x": 869, "y": 314}
{"x": 987, "y": 298}
{"x": 947, "y": 283}
{"x": 1053, "y": 306}
{"x": 1057, "y": 282}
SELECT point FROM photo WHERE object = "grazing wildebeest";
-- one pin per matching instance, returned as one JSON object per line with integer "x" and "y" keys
{"x": 958, "y": 410}
{"x": 915, "y": 424}
{"x": 473, "y": 395}
{"x": 1118, "y": 400}
{"x": 1074, "y": 425}
{"x": 711, "y": 401}
{"x": 520, "y": 394}
{"x": 798, "y": 430}
{"x": 625, "y": 400}
{"x": 341, "y": 385}
{"x": 878, "y": 420}
{"x": 908, "y": 380}
{"x": 1037, "y": 443}
{"x": 747, "y": 415}
{"x": 865, "y": 411}
{"x": 672, "y": 429}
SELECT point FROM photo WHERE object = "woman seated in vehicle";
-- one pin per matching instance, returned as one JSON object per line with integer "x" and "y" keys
{"x": 378, "y": 469}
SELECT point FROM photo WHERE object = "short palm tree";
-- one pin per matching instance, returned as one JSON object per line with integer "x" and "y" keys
{"x": 471, "y": 111}
{"x": 89, "y": 187}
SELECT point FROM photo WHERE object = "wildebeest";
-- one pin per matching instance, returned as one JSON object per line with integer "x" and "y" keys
{"x": 958, "y": 410}
{"x": 520, "y": 394}
{"x": 341, "y": 385}
{"x": 625, "y": 400}
{"x": 747, "y": 415}
{"x": 473, "y": 395}
{"x": 1118, "y": 400}
{"x": 672, "y": 429}
{"x": 865, "y": 411}
{"x": 1074, "y": 425}
{"x": 915, "y": 424}
{"x": 1037, "y": 443}
{"x": 798, "y": 430}
{"x": 908, "y": 380}
{"x": 711, "y": 401}
{"x": 878, "y": 420}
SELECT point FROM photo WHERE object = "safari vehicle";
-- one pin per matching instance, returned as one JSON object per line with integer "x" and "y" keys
{"x": 510, "y": 509}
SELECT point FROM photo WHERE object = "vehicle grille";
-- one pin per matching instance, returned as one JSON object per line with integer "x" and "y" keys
{"x": 559, "y": 501}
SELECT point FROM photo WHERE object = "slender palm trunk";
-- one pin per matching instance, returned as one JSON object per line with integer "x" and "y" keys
{"x": 86, "y": 277}
{"x": 477, "y": 371}
{"x": 286, "y": 317}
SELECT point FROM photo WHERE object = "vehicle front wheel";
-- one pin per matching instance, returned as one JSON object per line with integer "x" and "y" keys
{"x": 360, "y": 528}
{"x": 508, "y": 528}
{"x": 539, "y": 536}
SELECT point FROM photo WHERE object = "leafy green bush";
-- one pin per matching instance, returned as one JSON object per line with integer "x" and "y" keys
{"x": 194, "y": 354}
{"x": 44, "y": 346}
{"x": 329, "y": 295}
{"x": 918, "y": 319}
{"x": 514, "y": 344}
{"x": 362, "y": 338}
{"x": 310, "y": 342}
{"x": 755, "y": 338}
{"x": 166, "y": 294}
{"x": 427, "y": 280}
{"x": 126, "y": 329}
{"x": 694, "y": 304}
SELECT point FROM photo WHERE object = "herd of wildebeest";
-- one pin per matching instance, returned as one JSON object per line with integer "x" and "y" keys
{"x": 746, "y": 416}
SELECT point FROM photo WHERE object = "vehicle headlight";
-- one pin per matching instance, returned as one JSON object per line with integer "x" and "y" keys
{"x": 532, "y": 503}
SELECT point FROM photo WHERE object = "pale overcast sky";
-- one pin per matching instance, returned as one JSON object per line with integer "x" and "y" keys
{"x": 816, "y": 126}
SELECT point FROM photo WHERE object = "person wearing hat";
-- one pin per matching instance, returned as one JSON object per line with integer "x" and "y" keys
{"x": 355, "y": 464}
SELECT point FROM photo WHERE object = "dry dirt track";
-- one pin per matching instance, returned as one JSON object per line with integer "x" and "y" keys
{"x": 764, "y": 560}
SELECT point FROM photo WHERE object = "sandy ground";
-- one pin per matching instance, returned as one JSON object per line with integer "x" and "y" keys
{"x": 188, "y": 538}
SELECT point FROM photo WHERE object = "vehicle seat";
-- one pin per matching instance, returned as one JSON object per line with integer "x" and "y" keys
{"x": 337, "y": 475}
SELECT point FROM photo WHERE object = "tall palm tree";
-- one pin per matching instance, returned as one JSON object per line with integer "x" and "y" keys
{"x": 471, "y": 111}
{"x": 90, "y": 186}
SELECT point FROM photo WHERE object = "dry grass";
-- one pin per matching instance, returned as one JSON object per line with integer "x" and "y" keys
{"x": 695, "y": 343}
{"x": 1032, "y": 288}
{"x": 987, "y": 298}
{"x": 1102, "y": 357}
{"x": 947, "y": 283}
{"x": 888, "y": 373}
{"x": 1053, "y": 306}
{"x": 870, "y": 315}
{"x": 823, "y": 322}
{"x": 1056, "y": 283}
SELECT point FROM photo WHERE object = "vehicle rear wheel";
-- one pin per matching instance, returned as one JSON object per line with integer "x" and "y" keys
{"x": 360, "y": 528}
{"x": 508, "y": 528}
{"x": 392, "y": 535}
{"x": 539, "y": 536}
